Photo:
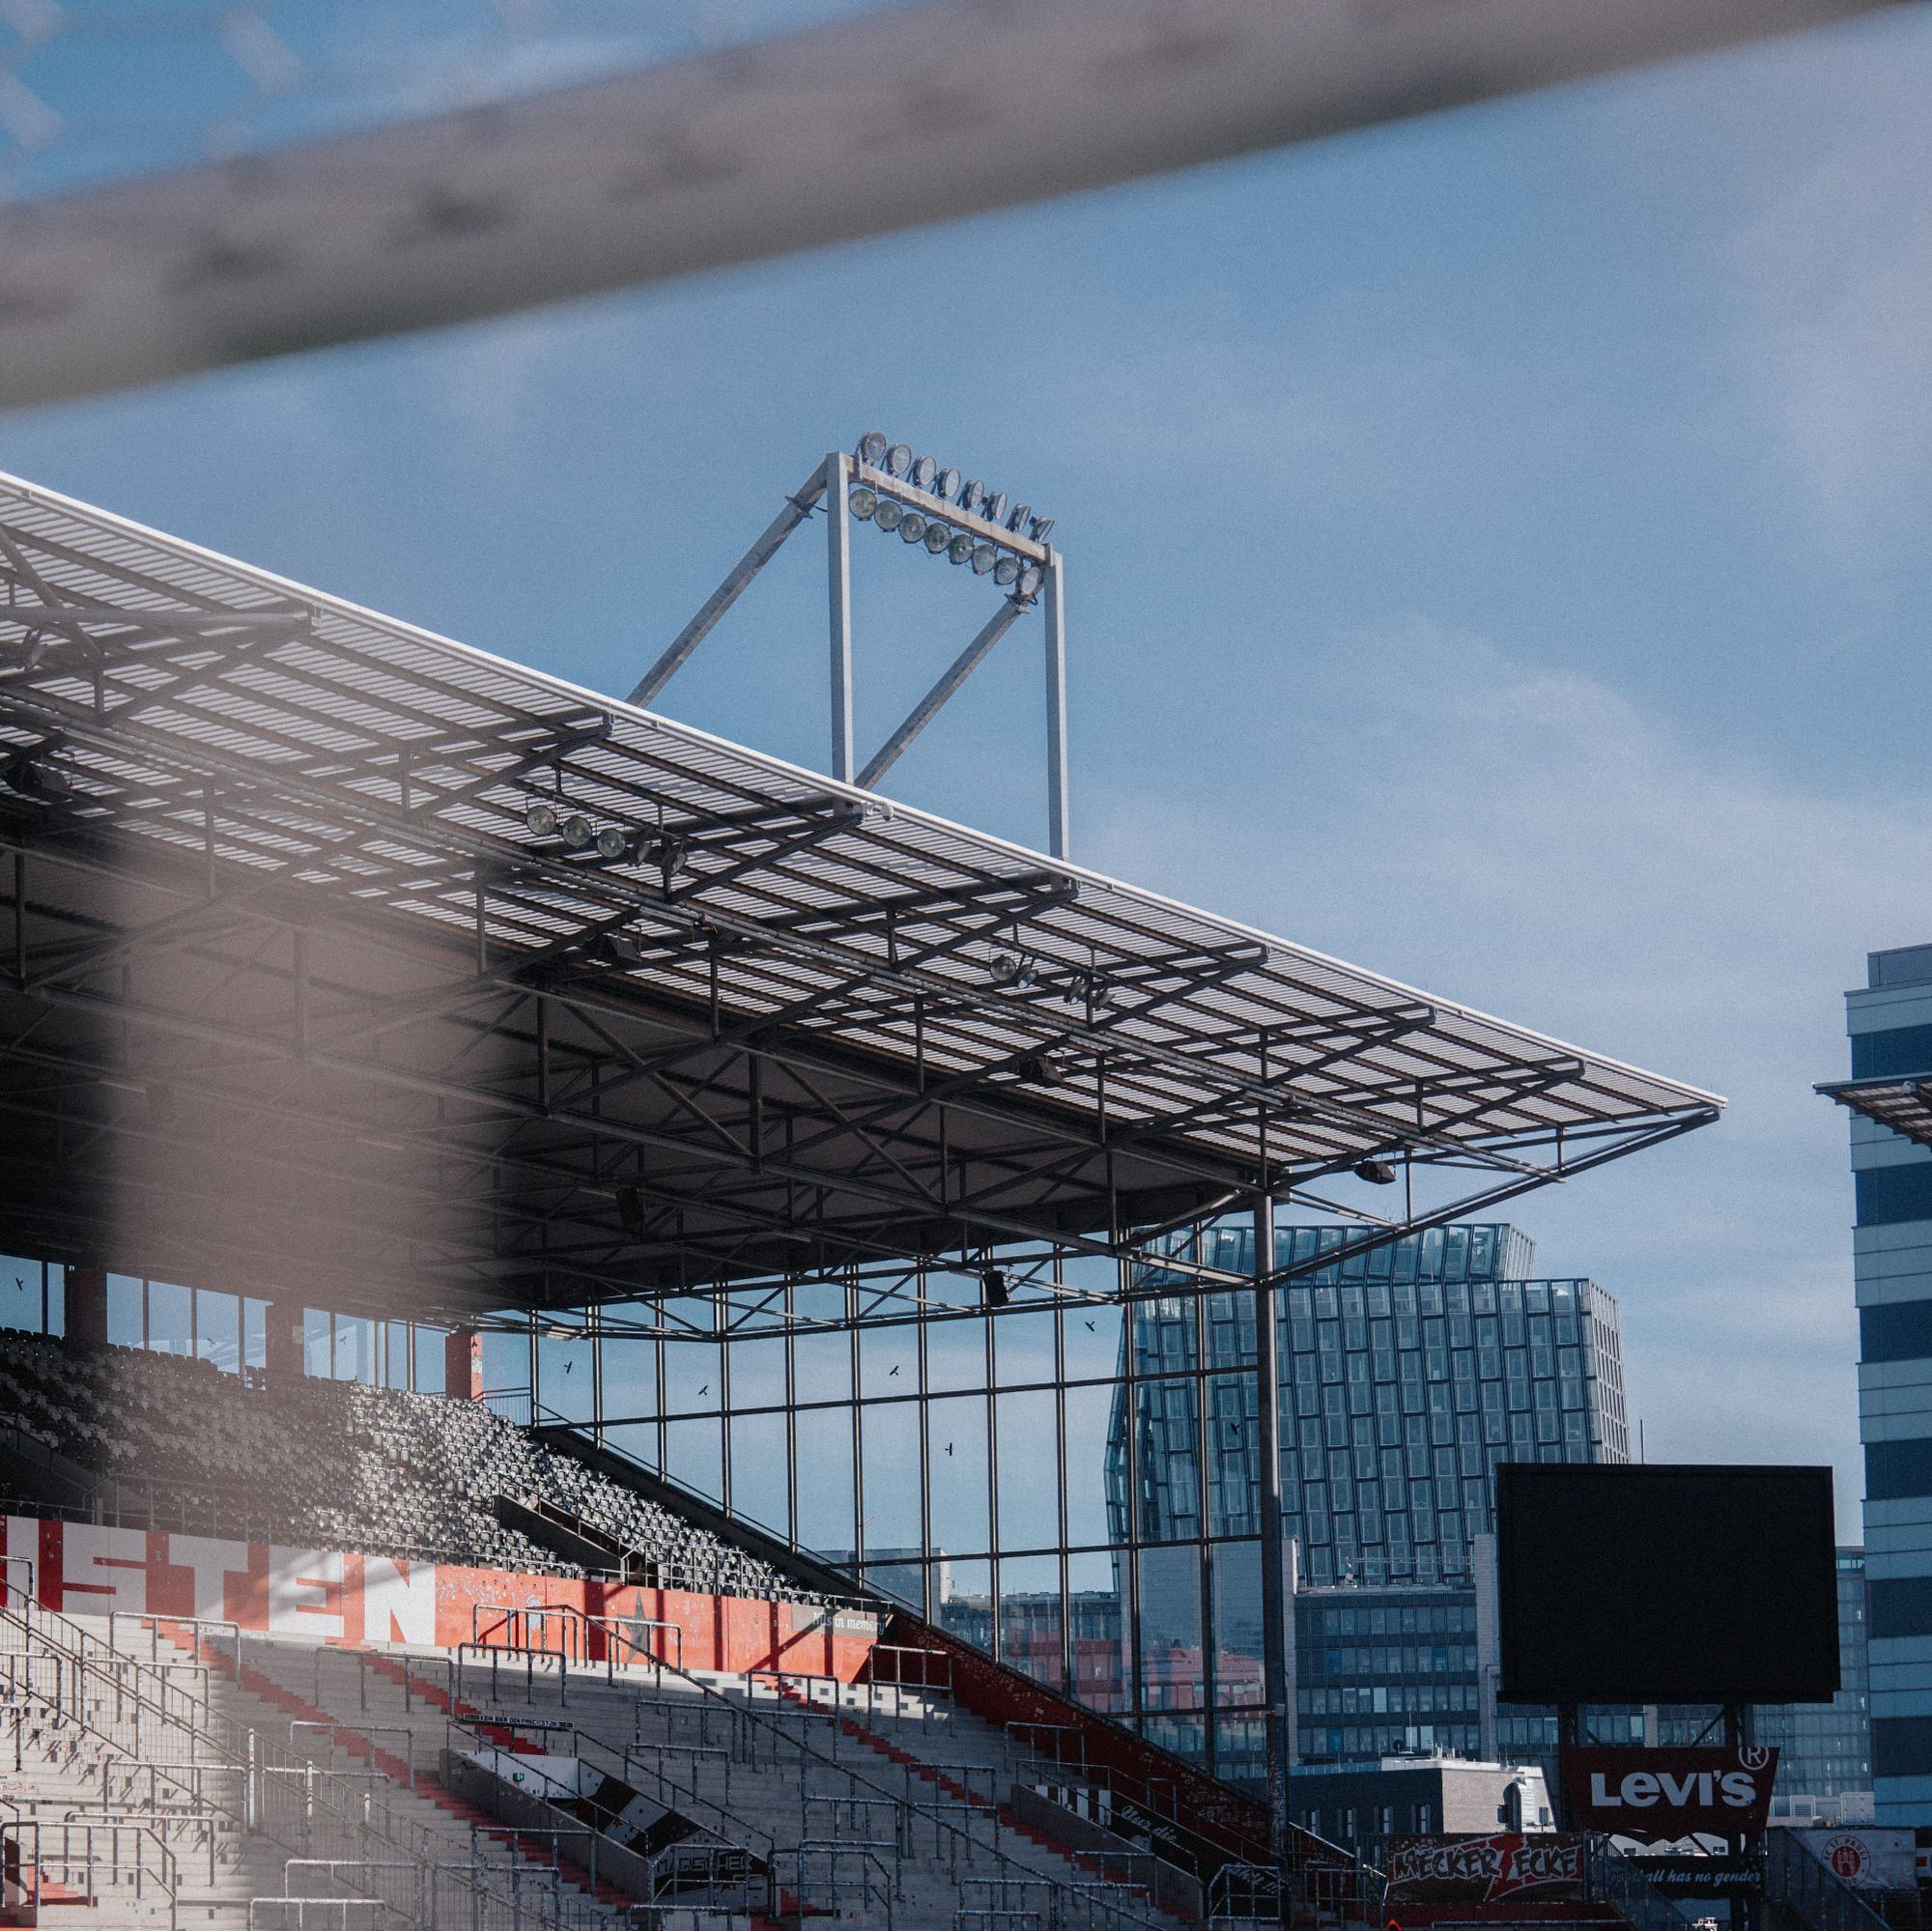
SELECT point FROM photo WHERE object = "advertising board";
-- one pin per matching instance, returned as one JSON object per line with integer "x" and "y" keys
{"x": 1870, "y": 1858}
{"x": 1479, "y": 1871}
{"x": 1665, "y": 1583}
{"x": 1660, "y": 1796}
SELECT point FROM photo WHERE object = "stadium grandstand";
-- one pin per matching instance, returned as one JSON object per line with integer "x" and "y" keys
{"x": 351, "y": 974}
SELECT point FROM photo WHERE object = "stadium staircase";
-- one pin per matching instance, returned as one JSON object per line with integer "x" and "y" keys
{"x": 167, "y": 1772}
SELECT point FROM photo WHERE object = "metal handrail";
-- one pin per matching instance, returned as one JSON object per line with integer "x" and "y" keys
{"x": 166, "y": 1877}
{"x": 944, "y": 1827}
{"x": 1818, "y": 1894}
{"x": 245, "y": 1756}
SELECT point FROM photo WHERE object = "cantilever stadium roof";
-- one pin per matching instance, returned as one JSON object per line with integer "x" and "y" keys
{"x": 299, "y": 1001}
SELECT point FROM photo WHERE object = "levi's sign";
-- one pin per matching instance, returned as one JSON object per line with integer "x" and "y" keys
{"x": 1660, "y": 1794}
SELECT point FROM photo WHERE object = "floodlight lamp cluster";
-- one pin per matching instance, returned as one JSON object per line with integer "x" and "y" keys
{"x": 945, "y": 486}
{"x": 614, "y": 843}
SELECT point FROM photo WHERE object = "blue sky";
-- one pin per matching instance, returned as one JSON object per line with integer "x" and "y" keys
{"x": 1499, "y": 549}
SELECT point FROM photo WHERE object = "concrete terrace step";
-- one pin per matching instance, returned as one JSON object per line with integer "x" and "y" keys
{"x": 359, "y": 1737}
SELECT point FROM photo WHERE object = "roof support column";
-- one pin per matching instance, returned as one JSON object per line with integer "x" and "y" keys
{"x": 839, "y": 605}
{"x": 463, "y": 1365}
{"x": 1058, "y": 826}
{"x": 1277, "y": 1604}
{"x": 86, "y": 1304}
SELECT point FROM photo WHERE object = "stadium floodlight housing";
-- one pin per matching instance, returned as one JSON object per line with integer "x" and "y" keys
{"x": 541, "y": 818}
{"x": 612, "y": 844}
{"x": 968, "y": 523}
{"x": 1376, "y": 1173}
{"x": 576, "y": 829}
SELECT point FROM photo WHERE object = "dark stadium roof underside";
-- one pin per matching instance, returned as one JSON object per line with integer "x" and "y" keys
{"x": 1905, "y": 1105}
{"x": 299, "y": 1002}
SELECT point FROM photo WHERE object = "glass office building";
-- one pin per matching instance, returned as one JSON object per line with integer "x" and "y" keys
{"x": 1889, "y": 1021}
{"x": 1826, "y": 1765}
{"x": 1408, "y": 1373}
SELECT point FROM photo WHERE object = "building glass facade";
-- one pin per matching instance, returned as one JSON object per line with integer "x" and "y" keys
{"x": 1408, "y": 1373}
{"x": 1075, "y": 1486}
{"x": 1889, "y": 1021}
{"x": 1827, "y": 1746}
{"x": 1386, "y": 1672}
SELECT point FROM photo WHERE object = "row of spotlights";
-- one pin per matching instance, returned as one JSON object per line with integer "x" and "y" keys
{"x": 956, "y": 545}
{"x": 975, "y": 498}
{"x": 576, "y": 832}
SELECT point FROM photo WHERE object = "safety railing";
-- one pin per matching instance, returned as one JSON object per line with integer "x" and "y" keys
{"x": 314, "y": 1914}
{"x": 1807, "y": 1886}
{"x": 99, "y": 1853}
{"x": 132, "y": 1708}
{"x": 1615, "y": 1879}
{"x": 167, "y": 1824}
{"x": 1243, "y": 1895}
{"x": 963, "y": 1831}
{"x": 839, "y": 1878}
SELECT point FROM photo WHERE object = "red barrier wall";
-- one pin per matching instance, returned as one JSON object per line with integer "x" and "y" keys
{"x": 343, "y": 1596}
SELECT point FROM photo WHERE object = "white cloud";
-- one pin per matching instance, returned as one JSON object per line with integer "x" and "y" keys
{"x": 1534, "y": 843}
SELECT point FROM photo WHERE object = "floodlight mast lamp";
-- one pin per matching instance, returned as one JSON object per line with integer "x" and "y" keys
{"x": 929, "y": 507}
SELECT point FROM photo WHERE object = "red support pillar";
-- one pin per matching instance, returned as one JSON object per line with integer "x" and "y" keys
{"x": 87, "y": 1303}
{"x": 285, "y": 1348}
{"x": 463, "y": 1365}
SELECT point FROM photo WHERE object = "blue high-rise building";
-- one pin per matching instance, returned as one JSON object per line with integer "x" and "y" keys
{"x": 1824, "y": 1768}
{"x": 1408, "y": 1373}
{"x": 1889, "y": 1019}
